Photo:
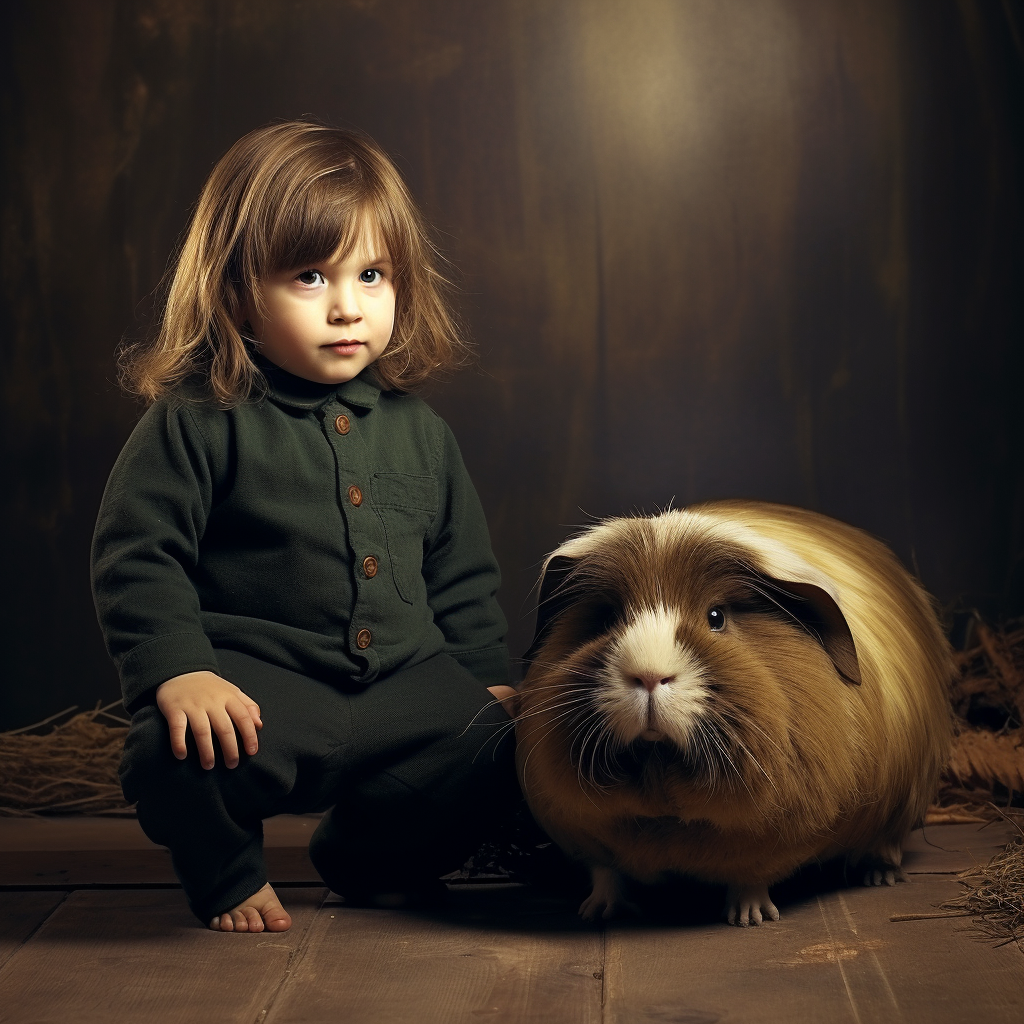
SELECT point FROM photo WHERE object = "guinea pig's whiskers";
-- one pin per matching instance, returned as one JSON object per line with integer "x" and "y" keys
{"x": 612, "y": 768}
{"x": 487, "y": 706}
{"x": 562, "y": 669}
{"x": 596, "y": 733}
{"x": 731, "y": 732}
{"x": 754, "y": 761}
{"x": 536, "y": 743}
{"x": 495, "y": 740}
{"x": 710, "y": 753}
{"x": 594, "y": 748}
{"x": 551, "y": 707}
{"x": 752, "y": 726}
{"x": 593, "y": 726}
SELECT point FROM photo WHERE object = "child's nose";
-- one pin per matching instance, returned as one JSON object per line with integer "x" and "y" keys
{"x": 345, "y": 306}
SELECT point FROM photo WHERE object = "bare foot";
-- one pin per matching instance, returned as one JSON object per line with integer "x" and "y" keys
{"x": 262, "y": 910}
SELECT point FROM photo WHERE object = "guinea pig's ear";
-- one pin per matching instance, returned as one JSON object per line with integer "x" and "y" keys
{"x": 555, "y": 597}
{"x": 818, "y": 612}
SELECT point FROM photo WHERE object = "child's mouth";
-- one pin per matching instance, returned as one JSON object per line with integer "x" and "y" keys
{"x": 345, "y": 348}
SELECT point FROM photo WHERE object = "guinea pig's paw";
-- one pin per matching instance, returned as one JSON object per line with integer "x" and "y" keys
{"x": 749, "y": 904}
{"x": 884, "y": 874}
{"x": 607, "y": 900}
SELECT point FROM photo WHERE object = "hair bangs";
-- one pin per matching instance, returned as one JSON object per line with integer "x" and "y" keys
{"x": 309, "y": 224}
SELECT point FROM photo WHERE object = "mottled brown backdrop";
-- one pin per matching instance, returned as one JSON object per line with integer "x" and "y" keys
{"x": 769, "y": 248}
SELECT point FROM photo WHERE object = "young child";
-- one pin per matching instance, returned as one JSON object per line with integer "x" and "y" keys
{"x": 290, "y": 561}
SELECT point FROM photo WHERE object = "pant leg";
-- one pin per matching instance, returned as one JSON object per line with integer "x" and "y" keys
{"x": 212, "y": 821}
{"x": 412, "y": 764}
{"x": 430, "y": 766}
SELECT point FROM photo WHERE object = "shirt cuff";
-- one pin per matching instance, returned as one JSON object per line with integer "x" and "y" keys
{"x": 147, "y": 666}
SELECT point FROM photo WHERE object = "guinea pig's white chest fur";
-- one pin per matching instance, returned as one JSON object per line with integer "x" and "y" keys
{"x": 650, "y": 686}
{"x": 730, "y": 692}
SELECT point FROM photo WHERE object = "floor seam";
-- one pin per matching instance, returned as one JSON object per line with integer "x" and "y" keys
{"x": 294, "y": 959}
{"x": 32, "y": 934}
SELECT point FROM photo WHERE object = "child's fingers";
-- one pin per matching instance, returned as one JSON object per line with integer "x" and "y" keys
{"x": 200, "y": 723}
{"x": 177, "y": 722}
{"x": 242, "y": 716}
{"x": 224, "y": 727}
{"x": 254, "y": 711}
{"x": 505, "y": 696}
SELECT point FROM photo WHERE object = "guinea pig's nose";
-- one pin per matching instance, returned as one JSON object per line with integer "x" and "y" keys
{"x": 651, "y": 680}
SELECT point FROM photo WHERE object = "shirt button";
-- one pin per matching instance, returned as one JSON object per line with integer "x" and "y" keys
{"x": 342, "y": 424}
{"x": 369, "y": 567}
{"x": 363, "y": 639}
{"x": 355, "y": 496}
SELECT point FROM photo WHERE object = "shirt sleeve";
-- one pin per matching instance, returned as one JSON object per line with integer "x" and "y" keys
{"x": 462, "y": 574}
{"x": 146, "y": 544}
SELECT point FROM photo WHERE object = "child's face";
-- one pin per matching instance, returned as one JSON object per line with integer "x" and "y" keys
{"x": 330, "y": 321}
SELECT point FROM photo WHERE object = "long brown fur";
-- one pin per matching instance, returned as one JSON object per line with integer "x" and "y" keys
{"x": 776, "y": 742}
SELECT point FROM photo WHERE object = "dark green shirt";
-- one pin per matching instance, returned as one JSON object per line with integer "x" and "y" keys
{"x": 332, "y": 530}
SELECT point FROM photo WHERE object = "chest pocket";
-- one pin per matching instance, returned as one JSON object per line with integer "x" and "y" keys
{"x": 406, "y": 505}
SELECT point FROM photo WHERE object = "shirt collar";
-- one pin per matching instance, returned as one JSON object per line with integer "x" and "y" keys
{"x": 299, "y": 393}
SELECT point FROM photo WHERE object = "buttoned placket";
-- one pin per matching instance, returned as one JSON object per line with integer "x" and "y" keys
{"x": 365, "y": 532}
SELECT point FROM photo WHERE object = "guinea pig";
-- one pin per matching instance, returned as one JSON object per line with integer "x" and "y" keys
{"x": 729, "y": 692}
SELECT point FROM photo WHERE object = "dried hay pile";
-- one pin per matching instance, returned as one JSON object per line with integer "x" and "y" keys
{"x": 67, "y": 767}
{"x": 994, "y": 895}
{"x": 986, "y": 768}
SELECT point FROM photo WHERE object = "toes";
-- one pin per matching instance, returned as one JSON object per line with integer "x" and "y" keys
{"x": 885, "y": 874}
{"x": 749, "y": 905}
{"x": 253, "y": 920}
{"x": 277, "y": 919}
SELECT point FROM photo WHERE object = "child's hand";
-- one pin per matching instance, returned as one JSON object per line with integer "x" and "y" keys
{"x": 506, "y": 697}
{"x": 210, "y": 705}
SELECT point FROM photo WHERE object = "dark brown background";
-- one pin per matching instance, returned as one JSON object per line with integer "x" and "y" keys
{"x": 768, "y": 248}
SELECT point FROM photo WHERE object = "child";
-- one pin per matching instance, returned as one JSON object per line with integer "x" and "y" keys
{"x": 290, "y": 561}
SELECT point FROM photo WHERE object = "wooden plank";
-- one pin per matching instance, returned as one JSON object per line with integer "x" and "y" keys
{"x": 931, "y": 971}
{"x": 35, "y": 835}
{"x": 74, "y": 868}
{"x": 948, "y": 849}
{"x": 711, "y": 972}
{"x": 31, "y": 835}
{"x": 87, "y": 867}
{"x": 141, "y": 956}
{"x": 835, "y": 957}
{"x": 89, "y": 851}
{"x": 499, "y": 958}
{"x": 23, "y": 913}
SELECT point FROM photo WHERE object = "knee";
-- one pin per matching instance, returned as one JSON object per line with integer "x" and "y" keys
{"x": 147, "y": 752}
{"x": 152, "y": 776}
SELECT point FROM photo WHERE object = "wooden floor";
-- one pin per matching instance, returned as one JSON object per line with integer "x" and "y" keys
{"x": 92, "y": 930}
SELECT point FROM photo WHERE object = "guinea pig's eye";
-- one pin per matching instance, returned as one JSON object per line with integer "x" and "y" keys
{"x": 716, "y": 619}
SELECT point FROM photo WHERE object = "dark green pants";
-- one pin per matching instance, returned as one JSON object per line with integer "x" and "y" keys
{"x": 413, "y": 769}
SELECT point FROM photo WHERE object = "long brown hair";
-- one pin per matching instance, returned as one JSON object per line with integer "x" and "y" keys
{"x": 283, "y": 196}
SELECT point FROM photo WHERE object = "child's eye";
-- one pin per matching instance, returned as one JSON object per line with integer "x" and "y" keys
{"x": 310, "y": 278}
{"x": 371, "y": 277}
